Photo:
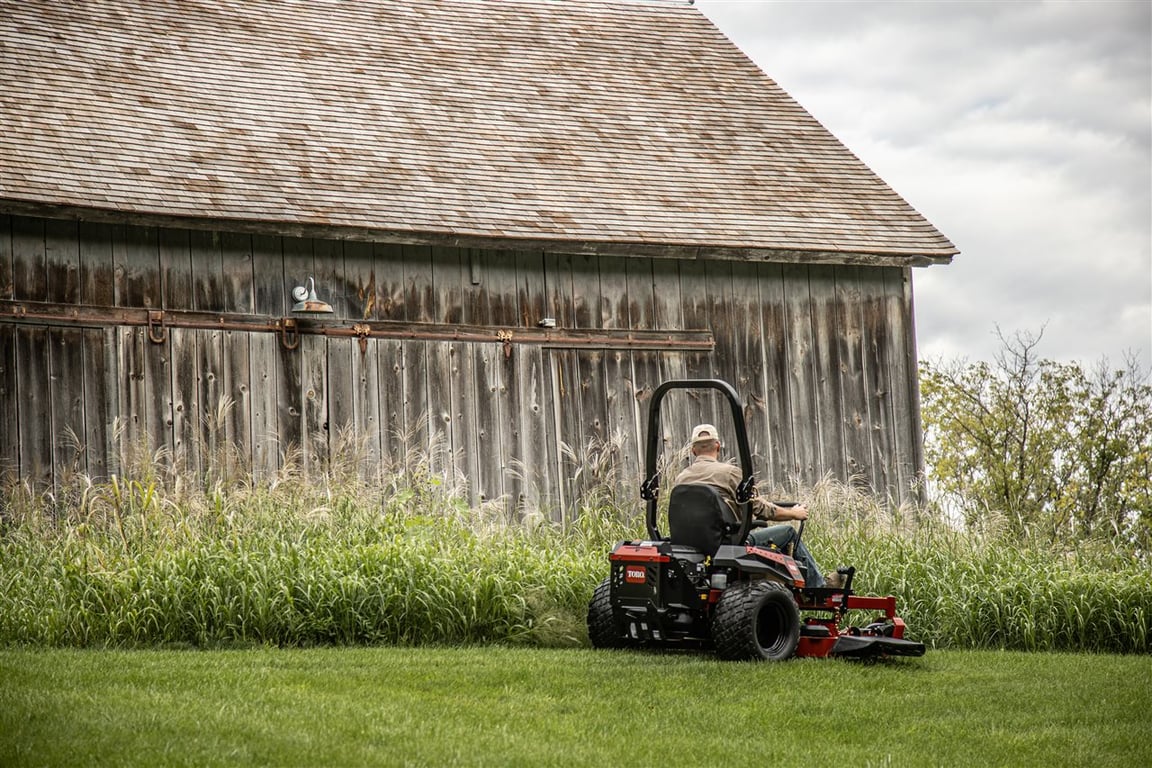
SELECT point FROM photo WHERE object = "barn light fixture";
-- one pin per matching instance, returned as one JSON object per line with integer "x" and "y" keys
{"x": 307, "y": 302}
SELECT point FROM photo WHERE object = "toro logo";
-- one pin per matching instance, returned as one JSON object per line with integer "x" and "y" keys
{"x": 635, "y": 574}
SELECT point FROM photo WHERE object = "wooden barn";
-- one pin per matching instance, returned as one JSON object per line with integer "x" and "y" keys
{"x": 524, "y": 215}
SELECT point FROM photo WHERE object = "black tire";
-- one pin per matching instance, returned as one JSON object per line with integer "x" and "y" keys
{"x": 756, "y": 621}
{"x": 602, "y": 628}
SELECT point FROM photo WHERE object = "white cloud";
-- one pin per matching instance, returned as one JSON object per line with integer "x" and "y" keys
{"x": 1022, "y": 130}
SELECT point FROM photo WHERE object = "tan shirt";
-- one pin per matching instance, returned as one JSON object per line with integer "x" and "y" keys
{"x": 725, "y": 478}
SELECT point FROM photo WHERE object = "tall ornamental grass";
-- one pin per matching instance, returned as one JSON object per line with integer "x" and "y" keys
{"x": 278, "y": 568}
{"x": 147, "y": 561}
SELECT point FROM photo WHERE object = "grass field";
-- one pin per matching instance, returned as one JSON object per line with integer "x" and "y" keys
{"x": 502, "y": 706}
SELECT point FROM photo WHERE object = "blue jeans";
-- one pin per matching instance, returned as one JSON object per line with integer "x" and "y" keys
{"x": 782, "y": 536}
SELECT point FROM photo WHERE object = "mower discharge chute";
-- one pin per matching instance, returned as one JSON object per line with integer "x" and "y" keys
{"x": 703, "y": 586}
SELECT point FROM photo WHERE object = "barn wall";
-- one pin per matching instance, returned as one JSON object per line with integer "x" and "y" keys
{"x": 823, "y": 355}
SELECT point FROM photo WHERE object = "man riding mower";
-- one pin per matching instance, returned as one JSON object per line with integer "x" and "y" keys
{"x": 707, "y": 584}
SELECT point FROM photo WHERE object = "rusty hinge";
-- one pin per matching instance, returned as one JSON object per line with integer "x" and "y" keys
{"x": 361, "y": 332}
{"x": 506, "y": 338}
{"x": 157, "y": 333}
{"x": 289, "y": 332}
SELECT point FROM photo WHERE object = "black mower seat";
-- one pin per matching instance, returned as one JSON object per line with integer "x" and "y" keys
{"x": 698, "y": 517}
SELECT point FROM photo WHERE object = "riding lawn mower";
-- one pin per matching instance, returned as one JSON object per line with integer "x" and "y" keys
{"x": 704, "y": 586}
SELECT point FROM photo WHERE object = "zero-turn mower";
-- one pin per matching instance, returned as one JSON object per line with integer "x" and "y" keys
{"x": 703, "y": 586}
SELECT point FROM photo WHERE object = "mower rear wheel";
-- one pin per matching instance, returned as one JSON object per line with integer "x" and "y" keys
{"x": 602, "y": 628}
{"x": 756, "y": 621}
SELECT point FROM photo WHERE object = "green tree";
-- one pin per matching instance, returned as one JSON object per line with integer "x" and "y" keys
{"x": 1061, "y": 452}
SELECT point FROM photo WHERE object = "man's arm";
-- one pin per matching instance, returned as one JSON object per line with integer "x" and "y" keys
{"x": 766, "y": 510}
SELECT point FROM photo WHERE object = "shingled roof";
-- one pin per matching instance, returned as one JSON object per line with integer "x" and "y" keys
{"x": 629, "y": 126}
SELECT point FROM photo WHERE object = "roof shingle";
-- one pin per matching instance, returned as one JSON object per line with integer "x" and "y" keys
{"x": 583, "y": 120}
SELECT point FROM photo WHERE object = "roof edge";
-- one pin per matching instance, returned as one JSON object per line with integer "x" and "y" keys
{"x": 877, "y": 258}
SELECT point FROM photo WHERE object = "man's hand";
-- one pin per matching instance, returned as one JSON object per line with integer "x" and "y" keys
{"x": 797, "y": 512}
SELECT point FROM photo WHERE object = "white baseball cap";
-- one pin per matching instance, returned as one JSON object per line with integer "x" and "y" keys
{"x": 703, "y": 433}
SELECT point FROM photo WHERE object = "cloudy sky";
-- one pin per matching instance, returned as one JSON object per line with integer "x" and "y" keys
{"x": 1022, "y": 130}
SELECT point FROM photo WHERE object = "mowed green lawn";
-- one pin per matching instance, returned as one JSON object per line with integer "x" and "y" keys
{"x": 532, "y": 707}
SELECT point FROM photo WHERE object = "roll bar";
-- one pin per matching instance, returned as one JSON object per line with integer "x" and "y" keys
{"x": 650, "y": 488}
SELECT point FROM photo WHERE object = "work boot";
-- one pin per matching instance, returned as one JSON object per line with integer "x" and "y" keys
{"x": 834, "y": 580}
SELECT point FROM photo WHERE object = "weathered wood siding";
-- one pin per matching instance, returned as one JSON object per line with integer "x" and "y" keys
{"x": 824, "y": 356}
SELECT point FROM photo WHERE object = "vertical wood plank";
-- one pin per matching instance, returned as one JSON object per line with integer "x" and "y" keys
{"x": 313, "y": 359}
{"x": 29, "y": 261}
{"x": 749, "y": 354}
{"x": 100, "y": 399}
{"x": 175, "y": 253}
{"x": 695, "y": 308}
{"x": 497, "y": 381}
{"x": 389, "y": 285}
{"x": 537, "y": 454}
{"x": 560, "y": 409}
{"x": 187, "y": 411}
{"x": 722, "y": 320}
{"x": 455, "y": 396}
{"x": 9, "y": 413}
{"x": 267, "y": 442}
{"x": 494, "y": 431}
{"x": 449, "y": 276}
{"x": 331, "y": 284}
{"x": 212, "y": 432}
{"x": 805, "y": 418}
{"x": 390, "y": 395}
{"x": 777, "y": 406}
{"x": 558, "y": 291}
{"x": 345, "y": 363}
{"x": 908, "y": 440}
{"x": 643, "y": 315}
{"x": 360, "y": 281}
{"x": 422, "y": 417}
{"x": 620, "y": 390}
{"x": 175, "y": 256}
{"x": 363, "y": 418}
{"x": 305, "y": 411}
{"x": 136, "y": 252}
{"x": 854, "y": 396}
{"x": 383, "y": 297}
{"x": 355, "y": 390}
{"x": 268, "y": 281}
{"x": 877, "y": 382}
{"x": 33, "y": 382}
{"x": 132, "y": 396}
{"x": 418, "y": 433}
{"x": 290, "y": 406}
{"x": 68, "y": 436}
{"x": 822, "y": 293}
{"x": 531, "y": 478}
{"x": 270, "y": 438}
{"x": 204, "y": 256}
{"x": 238, "y": 419}
{"x": 158, "y": 406}
{"x": 675, "y": 419}
{"x": 62, "y": 260}
{"x": 531, "y": 288}
{"x": 419, "y": 295}
{"x": 97, "y": 266}
{"x": 6, "y": 285}
{"x": 592, "y": 433}
{"x": 566, "y": 418}
{"x": 237, "y": 279}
